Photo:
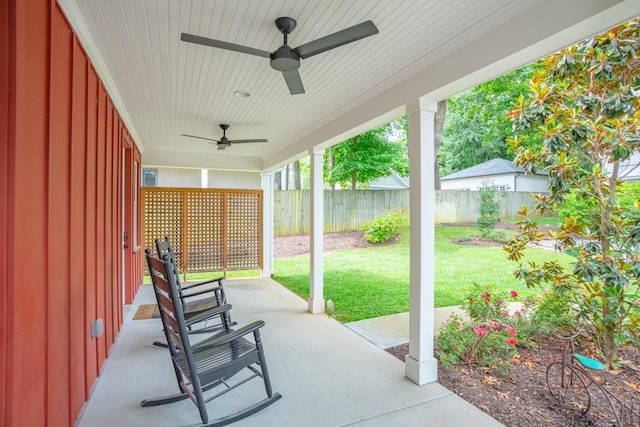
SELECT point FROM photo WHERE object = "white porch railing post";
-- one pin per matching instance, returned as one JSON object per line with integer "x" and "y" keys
{"x": 316, "y": 291}
{"x": 267, "y": 224}
{"x": 420, "y": 364}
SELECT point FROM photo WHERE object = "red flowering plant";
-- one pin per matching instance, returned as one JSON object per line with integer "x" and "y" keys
{"x": 496, "y": 325}
{"x": 491, "y": 335}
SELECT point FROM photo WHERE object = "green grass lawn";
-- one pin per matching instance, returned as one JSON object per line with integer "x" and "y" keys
{"x": 372, "y": 282}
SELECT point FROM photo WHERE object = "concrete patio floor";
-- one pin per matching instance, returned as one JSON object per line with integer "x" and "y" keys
{"x": 328, "y": 374}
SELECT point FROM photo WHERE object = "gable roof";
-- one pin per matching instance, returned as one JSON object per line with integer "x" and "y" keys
{"x": 629, "y": 169}
{"x": 391, "y": 181}
{"x": 495, "y": 166}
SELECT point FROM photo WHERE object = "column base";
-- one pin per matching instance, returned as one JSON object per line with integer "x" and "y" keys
{"x": 266, "y": 273}
{"x": 421, "y": 372}
{"x": 316, "y": 306}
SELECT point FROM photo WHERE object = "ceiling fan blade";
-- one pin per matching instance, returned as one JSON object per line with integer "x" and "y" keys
{"x": 294, "y": 82}
{"x": 339, "y": 38}
{"x": 191, "y": 38}
{"x": 247, "y": 141}
{"x": 199, "y": 137}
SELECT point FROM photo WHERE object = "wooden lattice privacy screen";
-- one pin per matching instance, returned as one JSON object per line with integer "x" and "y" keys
{"x": 210, "y": 229}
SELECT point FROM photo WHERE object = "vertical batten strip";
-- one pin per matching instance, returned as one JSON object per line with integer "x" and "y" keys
{"x": 58, "y": 226}
{"x": 79, "y": 327}
{"x": 100, "y": 220}
{"x": 108, "y": 223}
{"x": 7, "y": 75}
{"x": 91, "y": 185}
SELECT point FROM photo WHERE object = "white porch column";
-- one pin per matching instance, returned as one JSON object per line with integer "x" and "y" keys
{"x": 267, "y": 224}
{"x": 420, "y": 364}
{"x": 316, "y": 291}
{"x": 204, "y": 178}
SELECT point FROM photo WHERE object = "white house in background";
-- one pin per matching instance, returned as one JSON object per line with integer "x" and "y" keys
{"x": 393, "y": 181}
{"x": 629, "y": 169}
{"x": 199, "y": 178}
{"x": 500, "y": 173}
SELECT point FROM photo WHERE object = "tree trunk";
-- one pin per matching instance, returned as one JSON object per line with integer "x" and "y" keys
{"x": 286, "y": 178}
{"x": 354, "y": 180}
{"x": 277, "y": 180}
{"x": 610, "y": 346}
{"x": 438, "y": 124}
{"x": 330, "y": 161}
{"x": 295, "y": 171}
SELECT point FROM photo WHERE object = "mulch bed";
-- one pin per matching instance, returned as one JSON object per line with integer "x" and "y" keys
{"x": 288, "y": 246}
{"x": 476, "y": 241}
{"x": 523, "y": 398}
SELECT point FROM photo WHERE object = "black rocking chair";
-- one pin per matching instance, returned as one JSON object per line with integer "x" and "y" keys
{"x": 194, "y": 295}
{"x": 196, "y": 298}
{"x": 210, "y": 364}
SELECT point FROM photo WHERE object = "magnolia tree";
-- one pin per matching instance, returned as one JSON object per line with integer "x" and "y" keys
{"x": 586, "y": 101}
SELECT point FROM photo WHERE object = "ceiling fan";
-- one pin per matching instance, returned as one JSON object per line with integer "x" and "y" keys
{"x": 225, "y": 142}
{"x": 287, "y": 59}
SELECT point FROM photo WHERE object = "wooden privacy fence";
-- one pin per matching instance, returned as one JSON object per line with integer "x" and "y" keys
{"x": 462, "y": 206}
{"x": 210, "y": 229}
{"x": 346, "y": 210}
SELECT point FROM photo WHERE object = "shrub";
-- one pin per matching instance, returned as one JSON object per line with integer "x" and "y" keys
{"x": 489, "y": 339}
{"x": 579, "y": 207}
{"x": 492, "y": 336}
{"x": 629, "y": 194}
{"x": 381, "y": 229}
{"x": 488, "y": 211}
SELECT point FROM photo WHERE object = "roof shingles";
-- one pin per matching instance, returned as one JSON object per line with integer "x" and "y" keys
{"x": 495, "y": 166}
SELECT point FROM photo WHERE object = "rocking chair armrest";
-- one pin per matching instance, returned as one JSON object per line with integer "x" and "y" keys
{"x": 208, "y": 314}
{"x": 217, "y": 290}
{"x": 205, "y": 282}
{"x": 231, "y": 336}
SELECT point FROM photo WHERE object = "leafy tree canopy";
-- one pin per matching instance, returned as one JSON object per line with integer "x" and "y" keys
{"x": 476, "y": 125}
{"x": 370, "y": 155}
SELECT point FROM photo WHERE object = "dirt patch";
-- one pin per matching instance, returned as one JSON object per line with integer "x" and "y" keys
{"x": 501, "y": 225}
{"x": 523, "y": 398}
{"x": 483, "y": 241}
{"x": 476, "y": 241}
{"x": 289, "y": 246}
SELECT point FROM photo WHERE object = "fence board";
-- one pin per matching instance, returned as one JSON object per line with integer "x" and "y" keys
{"x": 346, "y": 210}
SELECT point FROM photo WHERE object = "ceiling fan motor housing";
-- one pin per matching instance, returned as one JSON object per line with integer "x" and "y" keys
{"x": 285, "y": 59}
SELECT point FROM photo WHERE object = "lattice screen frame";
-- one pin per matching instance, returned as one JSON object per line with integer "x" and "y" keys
{"x": 210, "y": 229}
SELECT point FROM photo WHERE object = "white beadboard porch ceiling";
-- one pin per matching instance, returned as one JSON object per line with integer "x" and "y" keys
{"x": 164, "y": 87}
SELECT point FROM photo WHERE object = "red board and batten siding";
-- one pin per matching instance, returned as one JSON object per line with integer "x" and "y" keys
{"x": 61, "y": 222}
{"x": 5, "y": 133}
